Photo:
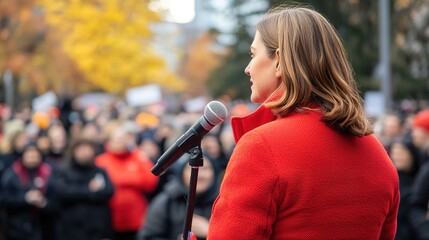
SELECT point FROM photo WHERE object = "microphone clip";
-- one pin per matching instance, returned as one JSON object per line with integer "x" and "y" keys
{"x": 196, "y": 157}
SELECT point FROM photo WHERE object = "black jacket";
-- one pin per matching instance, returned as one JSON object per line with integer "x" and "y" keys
{"x": 167, "y": 211}
{"x": 404, "y": 229}
{"x": 25, "y": 221}
{"x": 419, "y": 203}
{"x": 85, "y": 214}
{"x": 7, "y": 160}
{"x": 166, "y": 214}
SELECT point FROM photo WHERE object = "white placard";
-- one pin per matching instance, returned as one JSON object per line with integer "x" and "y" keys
{"x": 195, "y": 105}
{"x": 144, "y": 95}
{"x": 44, "y": 102}
{"x": 95, "y": 98}
{"x": 374, "y": 103}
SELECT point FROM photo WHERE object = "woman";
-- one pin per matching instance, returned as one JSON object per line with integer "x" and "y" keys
{"x": 212, "y": 144}
{"x": 405, "y": 156}
{"x": 306, "y": 164}
{"x": 84, "y": 191}
{"x": 28, "y": 196}
{"x": 167, "y": 212}
{"x": 18, "y": 142}
{"x": 130, "y": 173}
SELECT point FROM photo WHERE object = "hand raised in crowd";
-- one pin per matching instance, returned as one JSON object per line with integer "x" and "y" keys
{"x": 96, "y": 184}
{"x": 36, "y": 198}
{"x": 200, "y": 226}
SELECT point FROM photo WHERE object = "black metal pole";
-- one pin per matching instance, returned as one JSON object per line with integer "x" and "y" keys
{"x": 196, "y": 161}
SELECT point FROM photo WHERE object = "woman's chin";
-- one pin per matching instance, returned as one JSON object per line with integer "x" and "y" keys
{"x": 254, "y": 99}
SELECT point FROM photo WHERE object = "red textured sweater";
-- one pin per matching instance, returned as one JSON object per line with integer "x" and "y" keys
{"x": 297, "y": 178}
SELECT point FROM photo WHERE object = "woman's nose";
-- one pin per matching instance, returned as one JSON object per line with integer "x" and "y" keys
{"x": 247, "y": 70}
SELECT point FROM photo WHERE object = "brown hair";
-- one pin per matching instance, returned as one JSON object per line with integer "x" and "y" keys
{"x": 314, "y": 67}
{"x": 80, "y": 142}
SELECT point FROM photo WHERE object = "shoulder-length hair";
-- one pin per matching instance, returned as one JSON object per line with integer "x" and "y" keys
{"x": 314, "y": 67}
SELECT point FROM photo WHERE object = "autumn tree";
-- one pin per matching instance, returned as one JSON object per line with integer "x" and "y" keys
{"x": 82, "y": 45}
{"x": 21, "y": 32}
{"x": 110, "y": 42}
{"x": 204, "y": 55}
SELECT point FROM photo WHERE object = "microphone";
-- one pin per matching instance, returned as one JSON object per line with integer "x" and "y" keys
{"x": 214, "y": 113}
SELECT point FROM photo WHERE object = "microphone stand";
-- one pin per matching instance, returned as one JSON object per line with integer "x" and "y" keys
{"x": 196, "y": 161}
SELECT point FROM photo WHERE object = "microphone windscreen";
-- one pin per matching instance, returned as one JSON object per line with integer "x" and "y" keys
{"x": 215, "y": 112}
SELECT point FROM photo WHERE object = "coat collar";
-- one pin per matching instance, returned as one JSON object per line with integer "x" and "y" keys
{"x": 262, "y": 115}
{"x": 242, "y": 125}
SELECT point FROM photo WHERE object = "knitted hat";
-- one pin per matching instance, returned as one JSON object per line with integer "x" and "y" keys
{"x": 421, "y": 120}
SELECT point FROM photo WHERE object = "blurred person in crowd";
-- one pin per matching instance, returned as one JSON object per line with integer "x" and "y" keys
{"x": 23, "y": 113}
{"x": 58, "y": 138}
{"x": 405, "y": 158}
{"x": 76, "y": 127}
{"x": 167, "y": 212}
{"x": 131, "y": 177}
{"x": 163, "y": 135}
{"x": 65, "y": 107}
{"x": 420, "y": 135}
{"x": 15, "y": 147}
{"x": 84, "y": 191}
{"x": 43, "y": 143}
{"x": 227, "y": 140}
{"x": 18, "y": 142}
{"x": 213, "y": 147}
{"x": 150, "y": 147}
{"x": 391, "y": 129}
{"x": 419, "y": 199}
{"x": 306, "y": 164}
{"x": 9, "y": 131}
{"x": 92, "y": 132}
{"x": 153, "y": 142}
{"x": 28, "y": 195}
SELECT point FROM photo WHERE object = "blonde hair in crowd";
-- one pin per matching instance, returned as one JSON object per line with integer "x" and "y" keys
{"x": 314, "y": 67}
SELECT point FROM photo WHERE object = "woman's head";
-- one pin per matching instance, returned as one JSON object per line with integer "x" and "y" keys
{"x": 207, "y": 175}
{"x": 305, "y": 61}
{"x": 119, "y": 140}
{"x": 43, "y": 142}
{"x": 32, "y": 157}
{"x": 211, "y": 145}
{"x": 83, "y": 152}
{"x": 58, "y": 138}
{"x": 19, "y": 140}
{"x": 404, "y": 156}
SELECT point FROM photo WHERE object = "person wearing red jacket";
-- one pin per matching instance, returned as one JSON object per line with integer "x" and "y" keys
{"x": 130, "y": 173}
{"x": 306, "y": 164}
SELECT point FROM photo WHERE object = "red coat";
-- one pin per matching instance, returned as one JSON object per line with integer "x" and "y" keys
{"x": 297, "y": 178}
{"x": 131, "y": 176}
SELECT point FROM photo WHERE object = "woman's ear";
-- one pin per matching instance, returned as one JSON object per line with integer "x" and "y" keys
{"x": 277, "y": 62}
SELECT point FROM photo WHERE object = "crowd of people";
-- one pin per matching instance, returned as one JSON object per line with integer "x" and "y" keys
{"x": 406, "y": 138}
{"x": 84, "y": 173}
{"x": 75, "y": 172}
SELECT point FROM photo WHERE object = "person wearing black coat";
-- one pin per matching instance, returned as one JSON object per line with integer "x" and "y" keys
{"x": 419, "y": 213}
{"x": 84, "y": 191}
{"x": 167, "y": 211}
{"x": 28, "y": 195}
{"x": 19, "y": 141}
{"x": 405, "y": 157}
